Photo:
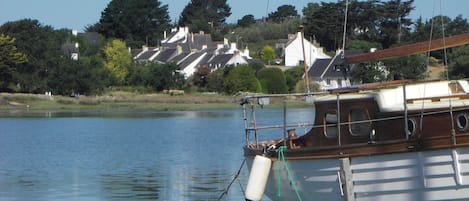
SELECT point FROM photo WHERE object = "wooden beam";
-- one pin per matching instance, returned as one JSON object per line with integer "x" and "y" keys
{"x": 411, "y": 49}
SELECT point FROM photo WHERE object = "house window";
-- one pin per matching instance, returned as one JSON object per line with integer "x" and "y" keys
{"x": 359, "y": 123}
{"x": 330, "y": 125}
{"x": 328, "y": 81}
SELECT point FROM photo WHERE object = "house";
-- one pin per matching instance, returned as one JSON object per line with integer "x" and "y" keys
{"x": 191, "y": 51}
{"x": 292, "y": 50}
{"x": 331, "y": 73}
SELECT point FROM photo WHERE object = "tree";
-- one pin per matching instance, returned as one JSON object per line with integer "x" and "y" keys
{"x": 272, "y": 81}
{"x": 246, "y": 21}
{"x": 409, "y": 67}
{"x": 42, "y": 45}
{"x": 241, "y": 78}
{"x": 204, "y": 15}
{"x": 215, "y": 81}
{"x": 137, "y": 22}
{"x": 459, "y": 66}
{"x": 10, "y": 57}
{"x": 117, "y": 60}
{"x": 268, "y": 54}
{"x": 292, "y": 76}
{"x": 282, "y": 13}
{"x": 200, "y": 77}
{"x": 165, "y": 76}
{"x": 394, "y": 21}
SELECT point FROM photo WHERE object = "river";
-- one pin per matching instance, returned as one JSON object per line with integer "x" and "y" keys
{"x": 190, "y": 155}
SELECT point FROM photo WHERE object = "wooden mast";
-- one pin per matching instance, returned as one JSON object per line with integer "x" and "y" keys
{"x": 411, "y": 49}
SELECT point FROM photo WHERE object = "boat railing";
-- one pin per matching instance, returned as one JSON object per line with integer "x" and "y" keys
{"x": 251, "y": 102}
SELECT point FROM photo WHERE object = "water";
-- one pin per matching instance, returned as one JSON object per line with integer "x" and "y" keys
{"x": 122, "y": 156}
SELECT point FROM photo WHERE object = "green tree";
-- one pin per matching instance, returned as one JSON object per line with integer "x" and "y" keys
{"x": 241, "y": 78}
{"x": 117, "y": 60}
{"x": 272, "y": 81}
{"x": 268, "y": 54}
{"x": 215, "y": 81}
{"x": 246, "y": 21}
{"x": 42, "y": 45}
{"x": 204, "y": 15}
{"x": 459, "y": 58}
{"x": 165, "y": 76}
{"x": 10, "y": 57}
{"x": 409, "y": 67}
{"x": 292, "y": 76}
{"x": 394, "y": 21}
{"x": 283, "y": 12}
{"x": 137, "y": 22}
{"x": 369, "y": 72}
{"x": 200, "y": 77}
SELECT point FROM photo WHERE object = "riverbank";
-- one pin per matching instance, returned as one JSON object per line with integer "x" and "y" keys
{"x": 116, "y": 101}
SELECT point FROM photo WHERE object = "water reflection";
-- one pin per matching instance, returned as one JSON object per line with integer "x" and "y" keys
{"x": 144, "y": 185}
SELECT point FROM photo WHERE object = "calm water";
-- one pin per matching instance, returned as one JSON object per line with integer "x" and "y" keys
{"x": 123, "y": 156}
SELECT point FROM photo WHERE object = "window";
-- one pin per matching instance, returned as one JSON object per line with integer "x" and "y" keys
{"x": 359, "y": 123}
{"x": 411, "y": 126}
{"x": 462, "y": 121}
{"x": 330, "y": 125}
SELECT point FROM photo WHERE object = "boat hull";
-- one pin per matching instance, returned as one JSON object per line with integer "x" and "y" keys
{"x": 421, "y": 175}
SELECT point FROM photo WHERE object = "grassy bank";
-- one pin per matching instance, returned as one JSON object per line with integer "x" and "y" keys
{"x": 116, "y": 101}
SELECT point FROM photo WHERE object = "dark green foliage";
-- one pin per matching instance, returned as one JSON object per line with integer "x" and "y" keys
{"x": 282, "y": 13}
{"x": 159, "y": 77}
{"x": 241, "y": 78}
{"x": 200, "y": 77}
{"x": 272, "y": 81}
{"x": 459, "y": 58}
{"x": 410, "y": 67}
{"x": 292, "y": 76}
{"x": 205, "y": 15}
{"x": 215, "y": 81}
{"x": 137, "y": 22}
{"x": 246, "y": 21}
{"x": 368, "y": 73}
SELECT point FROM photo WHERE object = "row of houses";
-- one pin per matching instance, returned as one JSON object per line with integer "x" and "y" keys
{"x": 196, "y": 50}
{"x": 192, "y": 51}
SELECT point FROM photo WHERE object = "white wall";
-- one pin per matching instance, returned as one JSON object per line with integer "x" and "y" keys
{"x": 294, "y": 52}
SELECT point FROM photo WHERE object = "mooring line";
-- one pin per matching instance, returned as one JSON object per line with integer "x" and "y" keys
{"x": 232, "y": 181}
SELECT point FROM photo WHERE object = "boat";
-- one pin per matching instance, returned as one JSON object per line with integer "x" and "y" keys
{"x": 397, "y": 140}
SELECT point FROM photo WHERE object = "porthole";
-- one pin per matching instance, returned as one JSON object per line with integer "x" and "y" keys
{"x": 462, "y": 121}
{"x": 411, "y": 126}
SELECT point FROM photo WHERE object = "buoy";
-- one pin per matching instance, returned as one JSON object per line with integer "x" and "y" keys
{"x": 258, "y": 178}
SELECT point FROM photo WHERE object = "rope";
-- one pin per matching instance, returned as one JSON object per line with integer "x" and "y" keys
{"x": 225, "y": 191}
{"x": 281, "y": 158}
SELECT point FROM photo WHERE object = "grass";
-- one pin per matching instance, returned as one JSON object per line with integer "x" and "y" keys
{"x": 116, "y": 101}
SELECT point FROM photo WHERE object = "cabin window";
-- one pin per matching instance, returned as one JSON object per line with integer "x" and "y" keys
{"x": 330, "y": 125}
{"x": 462, "y": 121}
{"x": 411, "y": 126}
{"x": 359, "y": 123}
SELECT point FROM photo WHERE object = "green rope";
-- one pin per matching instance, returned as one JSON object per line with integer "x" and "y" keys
{"x": 281, "y": 158}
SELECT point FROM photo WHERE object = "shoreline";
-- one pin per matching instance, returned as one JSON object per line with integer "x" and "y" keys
{"x": 120, "y": 101}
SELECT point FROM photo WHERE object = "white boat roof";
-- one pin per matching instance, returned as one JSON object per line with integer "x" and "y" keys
{"x": 423, "y": 95}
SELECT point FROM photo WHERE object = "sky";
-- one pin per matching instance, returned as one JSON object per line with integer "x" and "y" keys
{"x": 76, "y": 14}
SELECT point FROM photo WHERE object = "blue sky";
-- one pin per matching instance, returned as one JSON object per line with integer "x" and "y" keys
{"x": 76, "y": 14}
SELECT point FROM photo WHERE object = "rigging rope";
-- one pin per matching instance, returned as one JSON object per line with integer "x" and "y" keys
{"x": 225, "y": 191}
{"x": 281, "y": 158}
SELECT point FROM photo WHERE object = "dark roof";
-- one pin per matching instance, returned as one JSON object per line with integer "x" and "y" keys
{"x": 166, "y": 55}
{"x": 201, "y": 40}
{"x": 135, "y": 52}
{"x": 92, "y": 38}
{"x": 332, "y": 68}
{"x": 146, "y": 55}
{"x": 191, "y": 58}
{"x": 221, "y": 59}
{"x": 69, "y": 48}
{"x": 179, "y": 57}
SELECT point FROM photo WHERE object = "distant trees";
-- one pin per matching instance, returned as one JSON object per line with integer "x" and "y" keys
{"x": 241, "y": 78}
{"x": 137, "y": 22}
{"x": 204, "y": 15}
{"x": 282, "y": 13}
{"x": 117, "y": 60}
{"x": 268, "y": 54}
{"x": 246, "y": 21}
{"x": 9, "y": 58}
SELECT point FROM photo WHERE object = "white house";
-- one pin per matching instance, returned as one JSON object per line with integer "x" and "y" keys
{"x": 293, "y": 52}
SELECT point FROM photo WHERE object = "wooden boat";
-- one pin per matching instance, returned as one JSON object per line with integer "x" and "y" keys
{"x": 398, "y": 140}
